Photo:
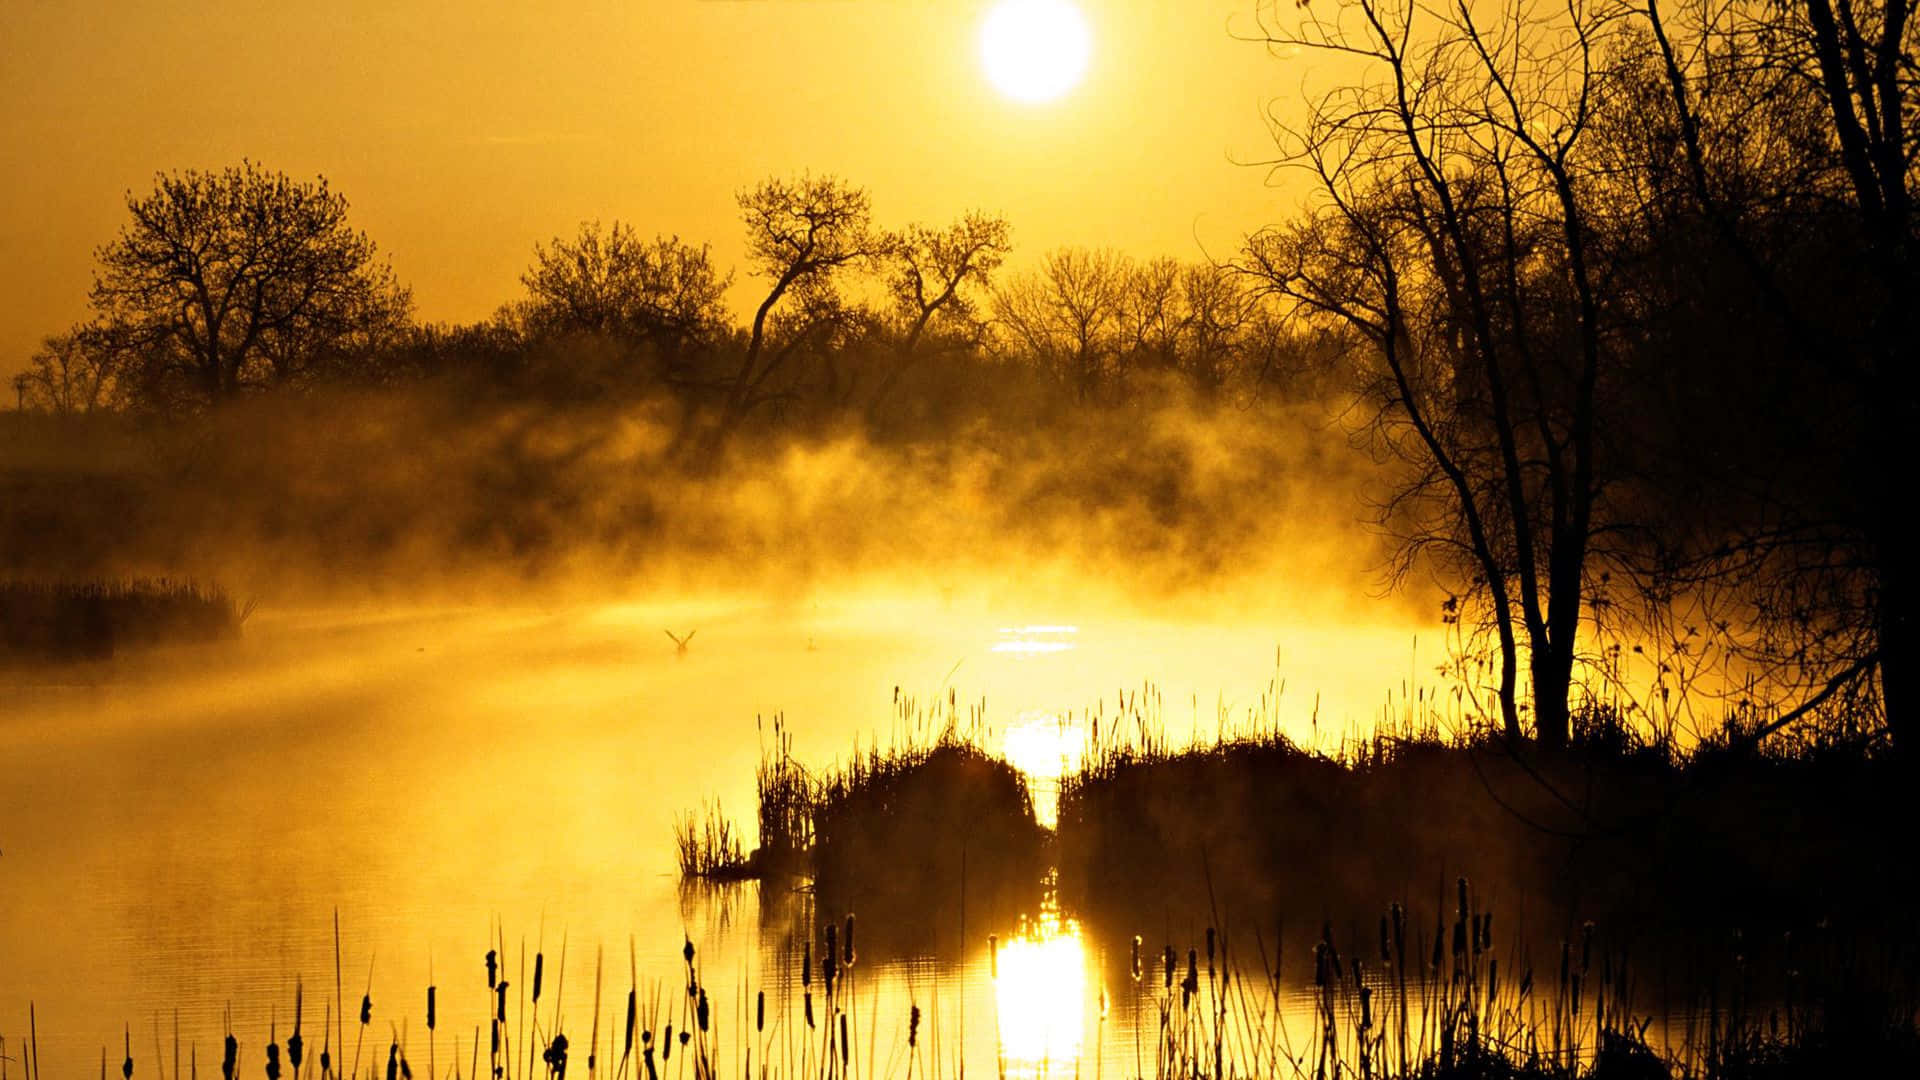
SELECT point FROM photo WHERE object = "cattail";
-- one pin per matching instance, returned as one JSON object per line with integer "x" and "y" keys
{"x": 393, "y": 1061}
{"x": 294, "y": 1041}
{"x": 760, "y": 1011}
{"x": 555, "y": 1055}
{"x": 913, "y": 1027}
{"x": 126, "y": 1067}
{"x": 430, "y": 1012}
{"x": 848, "y": 944}
{"x": 273, "y": 1061}
{"x": 843, "y": 1042}
{"x": 829, "y": 961}
{"x": 1399, "y": 930}
{"x": 702, "y": 1011}
{"x": 366, "y": 1009}
{"x": 1386, "y": 955}
{"x": 493, "y": 968}
{"x": 1167, "y": 964}
{"x": 666, "y": 1044}
{"x": 646, "y": 1055}
{"x": 500, "y": 1002}
{"x": 627, "y": 1047}
{"x": 1209, "y": 951}
{"x": 230, "y": 1064}
{"x": 1136, "y": 958}
{"x": 806, "y": 999}
{"x": 539, "y": 972}
{"x": 806, "y": 964}
{"x": 1461, "y": 884}
{"x": 686, "y": 951}
{"x": 1366, "y": 1006}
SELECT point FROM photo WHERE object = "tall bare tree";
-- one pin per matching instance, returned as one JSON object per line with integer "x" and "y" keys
{"x": 1453, "y": 235}
{"x": 1836, "y": 556}
{"x": 800, "y": 235}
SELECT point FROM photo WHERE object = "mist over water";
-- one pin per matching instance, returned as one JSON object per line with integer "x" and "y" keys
{"x": 181, "y": 825}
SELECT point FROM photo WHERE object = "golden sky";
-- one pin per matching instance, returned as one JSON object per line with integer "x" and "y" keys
{"x": 464, "y": 132}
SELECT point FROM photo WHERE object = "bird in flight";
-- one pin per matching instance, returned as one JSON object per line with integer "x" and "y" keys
{"x": 680, "y": 643}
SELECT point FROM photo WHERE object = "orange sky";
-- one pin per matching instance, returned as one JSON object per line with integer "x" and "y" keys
{"x": 464, "y": 132}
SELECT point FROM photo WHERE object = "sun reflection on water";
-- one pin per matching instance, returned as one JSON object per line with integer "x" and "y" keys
{"x": 1040, "y": 993}
{"x": 1044, "y": 746}
{"x": 1037, "y": 639}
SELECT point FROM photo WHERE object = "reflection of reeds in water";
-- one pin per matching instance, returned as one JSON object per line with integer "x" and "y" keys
{"x": 91, "y": 620}
{"x": 1444, "y": 1004}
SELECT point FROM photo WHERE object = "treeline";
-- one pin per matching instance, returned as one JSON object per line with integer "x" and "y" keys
{"x": 229, "y": 284}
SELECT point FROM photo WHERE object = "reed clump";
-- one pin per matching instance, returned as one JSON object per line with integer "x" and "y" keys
{"x": 709, "y": 846}
{"x": 1620, "y": 827}
{"x": 917, "y": 826}
{"x": 93, "y": 620}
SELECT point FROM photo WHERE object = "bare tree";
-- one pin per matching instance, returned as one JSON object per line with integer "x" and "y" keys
{"x": 1065, "y": 317}
{"x": 1832, "y": 557}
{"x": 240, "y": 279}
{"x": 800, "y": 235}
{"x": 1453, "y": 236}
{"x": 74, "y": 372}
{"x": 931, "y": 274}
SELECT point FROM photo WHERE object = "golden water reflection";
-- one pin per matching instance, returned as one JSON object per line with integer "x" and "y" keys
{"x": 1040, "y": 995}
{"x": 1044, "y": 746}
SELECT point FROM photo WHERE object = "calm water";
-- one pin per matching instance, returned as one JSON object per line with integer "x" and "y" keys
{"x": 178, "y": 830}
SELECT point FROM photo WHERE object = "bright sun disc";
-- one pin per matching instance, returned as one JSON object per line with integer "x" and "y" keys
{"x": 1035, "y": 50}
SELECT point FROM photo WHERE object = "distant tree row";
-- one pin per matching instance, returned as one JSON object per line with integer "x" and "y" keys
{"x": 236, "y": 282}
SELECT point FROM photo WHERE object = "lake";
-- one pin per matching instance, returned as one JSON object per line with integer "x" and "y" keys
{"x": 179, "y": 828}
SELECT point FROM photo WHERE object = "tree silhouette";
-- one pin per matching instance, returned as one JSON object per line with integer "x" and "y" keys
{"x": 1456, "y": 237}
{"x": 800, "y": 233}
{"x": 1066, "y": 316}
{"x": 929, "y": 273}
{"x": 244, "y": 278}
{"x": 609, "y": 282}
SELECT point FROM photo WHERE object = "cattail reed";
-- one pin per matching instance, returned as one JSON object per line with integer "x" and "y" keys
{"x": 295, "y": 1044}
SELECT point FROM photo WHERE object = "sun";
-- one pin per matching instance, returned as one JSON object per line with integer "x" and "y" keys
{"x": 1035, "y": 51}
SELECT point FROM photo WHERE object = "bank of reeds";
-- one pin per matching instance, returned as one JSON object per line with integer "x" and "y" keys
{"x": 921, "y": 814}
{"x": 94, "y": 620}
{"x": 1441, "y": 994}
{"x": 1620, "y": 827}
